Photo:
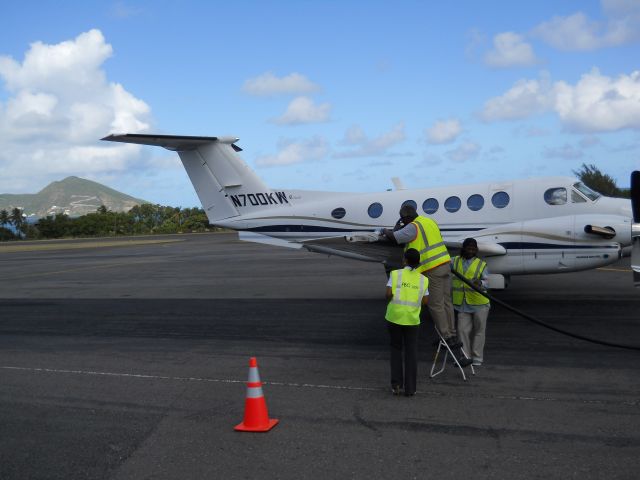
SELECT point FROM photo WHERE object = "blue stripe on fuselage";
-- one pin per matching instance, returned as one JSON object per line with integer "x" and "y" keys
{"x": 548, "y": 246}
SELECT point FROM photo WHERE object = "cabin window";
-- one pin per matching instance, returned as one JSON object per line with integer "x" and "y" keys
{"x": 338, "y": 212}
{"x": 475, "y": 202}
{"x": 556, "y": 196}
{"x": 410, "y": 202}
{"x": 500, "y": 199}
{"x": 430, "y": 206}
{"x": 375, "y": 210}
{"x": 586, "y": 191}
{"x": 576, "y": 197}
{"x": 452, "y": 204}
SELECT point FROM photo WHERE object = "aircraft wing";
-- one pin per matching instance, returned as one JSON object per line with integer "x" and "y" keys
{"x": 330, "y": 246}
{"x": 363, "y": 246}
{"x": 363, "y": 249}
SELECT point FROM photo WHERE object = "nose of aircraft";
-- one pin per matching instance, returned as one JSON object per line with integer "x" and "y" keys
{"x": 626, "y": 211}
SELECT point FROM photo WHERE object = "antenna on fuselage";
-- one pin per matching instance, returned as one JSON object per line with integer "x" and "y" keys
{"x": 398, "y": 183}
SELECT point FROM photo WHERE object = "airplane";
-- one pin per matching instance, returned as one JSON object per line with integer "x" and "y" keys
{"x": 531, "y": 226}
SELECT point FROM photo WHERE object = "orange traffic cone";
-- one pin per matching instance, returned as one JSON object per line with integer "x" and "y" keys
{"x": 256, "y": 418}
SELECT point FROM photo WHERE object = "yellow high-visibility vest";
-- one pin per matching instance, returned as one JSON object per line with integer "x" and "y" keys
{"x": 429, "y": 244}
{"x": 408, "y": 288}
{"x": 461, "y": 291}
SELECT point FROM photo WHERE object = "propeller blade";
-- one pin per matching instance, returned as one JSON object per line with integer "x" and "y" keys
{"x": 635, "y": 227}
{"x": 635, "y": 261}
{"x": 635, "y": 195}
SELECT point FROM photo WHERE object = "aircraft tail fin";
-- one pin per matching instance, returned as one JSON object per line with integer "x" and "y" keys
{"x": 225, "y": 184}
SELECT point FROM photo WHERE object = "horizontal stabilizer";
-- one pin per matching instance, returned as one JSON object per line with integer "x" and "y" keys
{"x": 177, "y": 143}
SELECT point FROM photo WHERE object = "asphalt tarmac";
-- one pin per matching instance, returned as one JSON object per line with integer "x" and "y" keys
{"x": 127, "y": 359}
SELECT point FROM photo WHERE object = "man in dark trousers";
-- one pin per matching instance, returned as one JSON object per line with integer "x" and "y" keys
{"x": 424, "y": 235}
{"x": 407, "y": 292}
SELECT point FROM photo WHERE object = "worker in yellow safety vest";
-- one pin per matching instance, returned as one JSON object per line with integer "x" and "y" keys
{"x": 472, "y": 307}
{"x": 407, "y": 292}
{"x": 423, "y": 234}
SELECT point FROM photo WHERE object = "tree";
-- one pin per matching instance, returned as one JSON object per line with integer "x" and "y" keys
{"x": 6, "y": 234}
{"x": 17, "y": 219}
{"x": 593, "y": 178}
{"x": 4, "y": 217}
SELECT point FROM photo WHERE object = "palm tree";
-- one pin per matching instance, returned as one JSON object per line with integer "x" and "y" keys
{"x": 4, "y": 217}
{"x": 17, "y": 219}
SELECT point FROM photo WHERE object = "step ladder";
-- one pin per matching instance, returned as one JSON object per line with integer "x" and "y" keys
{"x": 443, "y": 347}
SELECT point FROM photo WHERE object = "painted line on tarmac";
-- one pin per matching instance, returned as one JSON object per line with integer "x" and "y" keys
{"x": 182, "y": 379}
{"x": 615, "y": 269}
{"x": 431, "y": 393}
{"x": 80, "y": 269}
{"x": 35, "y": 247}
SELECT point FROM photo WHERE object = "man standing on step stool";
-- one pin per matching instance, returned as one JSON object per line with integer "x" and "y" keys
{"x": 472, "y": 307}
{"x": 407, "y": 292}
{"x": 424, "y": 235}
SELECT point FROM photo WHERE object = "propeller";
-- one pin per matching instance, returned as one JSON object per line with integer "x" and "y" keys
{"x": 635, "y": 227}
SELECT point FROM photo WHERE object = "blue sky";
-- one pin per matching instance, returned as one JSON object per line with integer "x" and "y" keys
{"x": 334, "y": 95}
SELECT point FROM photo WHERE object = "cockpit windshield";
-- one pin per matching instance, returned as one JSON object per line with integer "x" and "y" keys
{"x": 586, "y": 191}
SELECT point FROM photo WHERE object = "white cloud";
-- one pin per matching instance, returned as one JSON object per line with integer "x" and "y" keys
{"x": 291, "y": 152}
{"x": 268, "y": 84}
{"x": 596, "y": 103}
{"x": 71, "y": 67}
{"x": 365, "y": 146}
{"x": 444, "y": 131}
{"x": 510, "y": 50}
{"x": 302, "y": 110}
{"x": 59, "y": 104}
{"x": 353, "y": 136}
{"x": 578, "y": 32}
{"x": 463, "y": 152}
{"x": 525, "y": 98}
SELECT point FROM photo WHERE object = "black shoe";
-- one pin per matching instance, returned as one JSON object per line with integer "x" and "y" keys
{"x": 407, "y": 394}
{"x": 453, "y": 342}
{"x": 465, "y": 362}
{"x": 395, "y": 389}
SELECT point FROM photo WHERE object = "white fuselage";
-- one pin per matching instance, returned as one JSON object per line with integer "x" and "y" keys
{"x": 540, "y": 235}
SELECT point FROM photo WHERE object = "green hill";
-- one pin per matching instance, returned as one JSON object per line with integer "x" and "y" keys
{"x": 73, "y": 196}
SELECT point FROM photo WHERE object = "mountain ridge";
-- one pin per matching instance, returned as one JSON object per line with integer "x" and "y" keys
{"x": 72, "y": 195}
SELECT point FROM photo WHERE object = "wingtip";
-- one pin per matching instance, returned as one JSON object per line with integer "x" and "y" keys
{"x": 112, "y": 136}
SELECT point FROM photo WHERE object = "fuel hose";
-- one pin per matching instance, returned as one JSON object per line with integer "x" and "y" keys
{"x": 540, "y": 322}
